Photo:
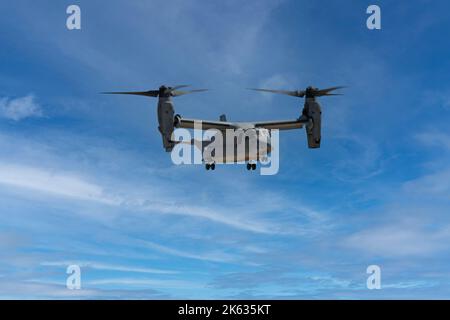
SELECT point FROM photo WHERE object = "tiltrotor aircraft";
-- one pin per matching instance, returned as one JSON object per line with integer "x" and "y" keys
{"x": 310, "y": 117}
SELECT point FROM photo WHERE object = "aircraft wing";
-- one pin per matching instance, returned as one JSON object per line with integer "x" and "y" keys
{"x": 282, "y": 124}
{"x": 205, "y": 124}
{"x": 223, "y": 125}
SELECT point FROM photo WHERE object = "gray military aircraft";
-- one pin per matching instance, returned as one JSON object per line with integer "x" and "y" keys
{"x": 311, "y": 118}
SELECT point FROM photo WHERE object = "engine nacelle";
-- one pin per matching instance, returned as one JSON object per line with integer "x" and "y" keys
{"x": 313, "y": 129}
{"x": 165, "y": 121}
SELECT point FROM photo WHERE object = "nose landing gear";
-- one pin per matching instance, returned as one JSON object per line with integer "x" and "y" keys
{"x": 211, "y": 166}
{"x": 251, "y": 166}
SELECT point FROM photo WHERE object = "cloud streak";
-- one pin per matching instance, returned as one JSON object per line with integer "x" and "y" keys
{"x": 108, "y": 267}
{"x": 20, "y": 108}
{"x": 54, "y": 183}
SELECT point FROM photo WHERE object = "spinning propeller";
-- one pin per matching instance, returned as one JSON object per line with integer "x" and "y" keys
{"x": 163, "y": 91}
{"x": 309, "y": 92}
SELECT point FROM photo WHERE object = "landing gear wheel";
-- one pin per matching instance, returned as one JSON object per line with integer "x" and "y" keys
{"x": 249, "y": 166}
{"x": 213, "y": 166}
{"x": 253, "y": 166}
{"x": 208, "y": 166}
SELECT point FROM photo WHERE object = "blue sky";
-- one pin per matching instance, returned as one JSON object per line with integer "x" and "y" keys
{"x": 84, "y": 179}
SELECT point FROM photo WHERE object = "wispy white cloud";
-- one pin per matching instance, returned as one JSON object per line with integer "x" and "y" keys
{"x": 217, "y": 256}
{"x": 409, "y": 285}
{"x": 359, "y": 158}
{"x": 437, "y": 184}
{"x": 55, "y": 183}
{"x": 435, "y": 139}
{"x": 19, "y": 108}
{"x": 153, "y": 283}
{"x": 399, "y": 240}
{"x": 215, "y": 215}
{"x": 413, "y": 221}
{"x": 71, "y": 185}
{"x": 37, "y": 289}
{"x": 104, "y": 266}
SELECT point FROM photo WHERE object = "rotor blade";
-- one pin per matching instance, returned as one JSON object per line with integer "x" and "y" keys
{"x": 325, "y": 92}
{"x": 150, "y": 93}
{"x": 286, "y": 92}
{"x": 178, "y": 93}
{"x": 179, "y": 87}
